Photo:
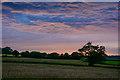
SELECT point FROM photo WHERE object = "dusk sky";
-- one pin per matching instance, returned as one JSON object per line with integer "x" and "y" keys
{"x": 59, "y": 26}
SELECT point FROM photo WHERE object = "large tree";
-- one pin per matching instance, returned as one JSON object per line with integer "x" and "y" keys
{"x": 7, "y": 50}
{"x": 95, "y": 53}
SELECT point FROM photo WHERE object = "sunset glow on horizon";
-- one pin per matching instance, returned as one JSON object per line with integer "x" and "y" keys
{"x": 62, "y": 27}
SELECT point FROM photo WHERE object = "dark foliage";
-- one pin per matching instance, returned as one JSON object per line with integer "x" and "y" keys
{"x": 15, "y": 53}
{"x": 76, "y": 55}
{"x": 35, "y": 54}
{"x": 7, "y": 50}
{"x": 66, "y": 56}
{"x": 53, "y": 55}
{"x": 25, "y": 54}
{"x": 95, "y": 53}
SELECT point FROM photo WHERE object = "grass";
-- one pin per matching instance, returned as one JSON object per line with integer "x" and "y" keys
{"x": 45, "y": 61}
{"x": 54, "y": 62}
{"x": 8, "y": 55}
{"x": 22, "y": 70}
{"x": 54, "y": 68}
{"x": 112, "y": 62}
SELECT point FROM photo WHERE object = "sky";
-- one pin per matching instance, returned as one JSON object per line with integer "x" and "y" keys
{"x": 60, "y": 26}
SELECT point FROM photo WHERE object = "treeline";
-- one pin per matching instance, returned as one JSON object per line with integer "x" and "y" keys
{"x": 95, "y": 54}
{"x": 35, "y": 54}
{"x": 54, "y": 55}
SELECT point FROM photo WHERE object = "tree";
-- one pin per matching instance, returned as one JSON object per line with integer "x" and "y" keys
{"x": 95, "y": 54}
{"x": 53, "y": 55}
{"x": 35, "y": 54}
{"x": 61, "y": 56}
{"x": 76, "y": 55}
{"x": 43, "y": 55}
{"x": 7, "y": 50}
{"x": 66, "y": 56}
{"x": 25, "y": 54}
{"x": 15, "y": 53}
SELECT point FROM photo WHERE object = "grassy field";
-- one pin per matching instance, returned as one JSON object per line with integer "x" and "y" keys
{"x": 21, "y": 70}
{"x": 54, "y": 68}
{"x": 54, "y": 61}
{"x": 113, "y": 62}
{"x": 24, "y": 60}
{"x": 9, "y": 55}
{"x": 44, "y": 61}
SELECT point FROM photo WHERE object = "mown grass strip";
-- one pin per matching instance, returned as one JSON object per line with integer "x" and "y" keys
{"x": 115, "y": 62}
{"x": 8, "y": 55}
{"x": 58, "y": 63}
{"x": 42, "y": 62}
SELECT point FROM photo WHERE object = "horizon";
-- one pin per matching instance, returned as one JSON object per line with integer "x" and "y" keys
{"x": 59, "y": 27}
{"x": 109, "y": 54}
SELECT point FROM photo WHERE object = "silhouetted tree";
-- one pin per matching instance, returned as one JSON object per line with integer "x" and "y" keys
{"x": 7, "y": 50}
{"x": 76, "y": 55}
{"x": 15, "y": 53}
{"x": 25, "y": 54}
{"x": 35, "y": 54}
{"x": 53, "y": 55}
{"x": 95, "y": 53}
{"x": 43, "y": 55}
{"x": 66, "y": 56}
{"x": 61, "y": 56}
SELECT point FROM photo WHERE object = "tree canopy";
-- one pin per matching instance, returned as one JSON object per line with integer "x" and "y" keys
{"x": 95, "y": 53}
{"x": 7, "y": 50}
{"x": 15, "y": 53}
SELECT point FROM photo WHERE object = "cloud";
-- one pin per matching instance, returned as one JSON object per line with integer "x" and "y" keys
{"x": 58, "y": 8}
{"x": 68, "y": 17}
{"x": 54, "y": 24}
{"x": 44, "y": 27}
{"x": 81, "y": 10}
